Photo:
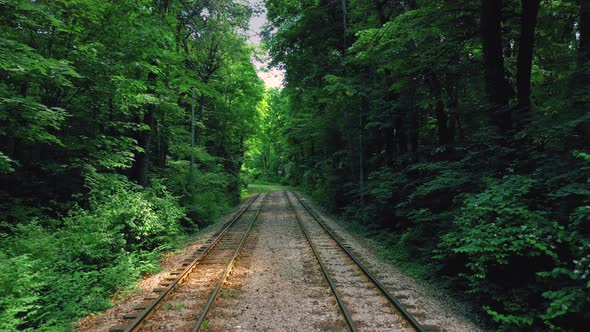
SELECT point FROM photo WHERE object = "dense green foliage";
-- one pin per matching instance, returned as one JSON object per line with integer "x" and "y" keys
{"x": 459, "y": 129}
{"x": 53, "y": 274}
{"x": 101, "y": 166}
{"x": 446, "y": 124}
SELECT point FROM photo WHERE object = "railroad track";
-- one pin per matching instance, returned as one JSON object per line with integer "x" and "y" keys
{"x": 363, "y": 300}
{"x": 361, "y": 297}
{"x": 211, "y": 262}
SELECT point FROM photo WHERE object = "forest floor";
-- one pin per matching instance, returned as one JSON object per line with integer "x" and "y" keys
{"x": 276, "y": 284}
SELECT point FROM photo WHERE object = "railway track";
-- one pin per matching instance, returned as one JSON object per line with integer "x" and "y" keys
{"x": 364, "y": 301}
{"x": 187, "y": 287}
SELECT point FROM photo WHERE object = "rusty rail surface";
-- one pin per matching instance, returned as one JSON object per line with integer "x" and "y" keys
{"x": 349, "y": 321}
{"x": 230, "y": 265}
{"x": 138, "y": 319}
{"x": 394, "y": 302}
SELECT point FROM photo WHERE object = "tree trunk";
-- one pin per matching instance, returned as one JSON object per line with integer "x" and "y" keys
{"x": 583, "y": 79}
{"x": 414, "y": 133}
{"x": 140, "y": 167}
{"x": 161, "y": 146}
{"x": 201, "y": 117}
{"x": 344, "y": 22}
{"x": 580, "y": 79}
{"x": 141, "y": 161}
{"x": 400, "y": 134}
{"x": 584, "y": 47}
{"x": 193, "y": 139}
{"x": 439, "y": 110}
{"x": 361, "y": 157}
{"x": 442, "y": 123}
{"x": 497, "y": 90}
{"x": 453, "y": 82}
{"x": 525, "y": 59}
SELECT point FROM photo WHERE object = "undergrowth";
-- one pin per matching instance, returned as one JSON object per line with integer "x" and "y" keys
{"x": 54, "y": 271}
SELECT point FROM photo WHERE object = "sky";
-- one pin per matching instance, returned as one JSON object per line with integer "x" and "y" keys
{"x": 273, "y": 78}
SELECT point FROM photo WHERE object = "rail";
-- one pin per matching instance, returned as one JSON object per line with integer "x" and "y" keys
{"x": 396, "y": 304}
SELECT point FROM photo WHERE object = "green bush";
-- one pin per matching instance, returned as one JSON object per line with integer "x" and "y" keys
{"x": 208, "y": 195}
{"x": 518, "y": 245}
{"x": 506, "y": 247}
{"x": 20, "y": 285}
{"x": 49, "y": 278}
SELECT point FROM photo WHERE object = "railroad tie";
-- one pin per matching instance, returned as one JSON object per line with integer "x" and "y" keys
{"x": 419, "y": 314}
{"x": 130, "y": 316}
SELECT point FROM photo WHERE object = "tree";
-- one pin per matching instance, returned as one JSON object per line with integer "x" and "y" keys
{"x": 497, "y": 89}
{"x": 526, "y": 44}
{"x": 388, "y": 132}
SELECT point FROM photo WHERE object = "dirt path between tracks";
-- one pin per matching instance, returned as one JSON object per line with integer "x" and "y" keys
{"x": 276, "y": 284}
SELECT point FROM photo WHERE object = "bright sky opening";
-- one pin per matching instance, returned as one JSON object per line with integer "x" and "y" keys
{"x": 272, "y": 77}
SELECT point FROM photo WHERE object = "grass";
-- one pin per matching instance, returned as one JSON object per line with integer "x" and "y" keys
{"x": 205, "y": 326}
{"x": 265, "y": 188}
{"x": 174, "y": 306}
{"x": 224, "y": 293}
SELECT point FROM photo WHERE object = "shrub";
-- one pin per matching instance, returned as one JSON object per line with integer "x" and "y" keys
{"x": 504, "y": 245}
{"x": 49, "y": 278}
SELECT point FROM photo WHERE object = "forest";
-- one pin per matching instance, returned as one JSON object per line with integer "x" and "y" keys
{"x": 122, "y": 129}
{"x": 455, "y": 133}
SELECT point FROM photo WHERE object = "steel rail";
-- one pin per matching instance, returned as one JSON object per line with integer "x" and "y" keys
{"x": 398, "y": 305}
{"x": 223, "y": 277}
{"x": 136, "y": 324}
{"x": 345, "y": 312}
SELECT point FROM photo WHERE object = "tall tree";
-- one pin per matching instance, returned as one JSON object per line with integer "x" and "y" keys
{"x": 584, "y": 45}
{"x": 526, "y": 44}
{"x": 497, "y": 89}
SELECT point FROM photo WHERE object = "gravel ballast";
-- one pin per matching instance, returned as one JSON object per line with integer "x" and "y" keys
{"x": 276, "y": 283}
